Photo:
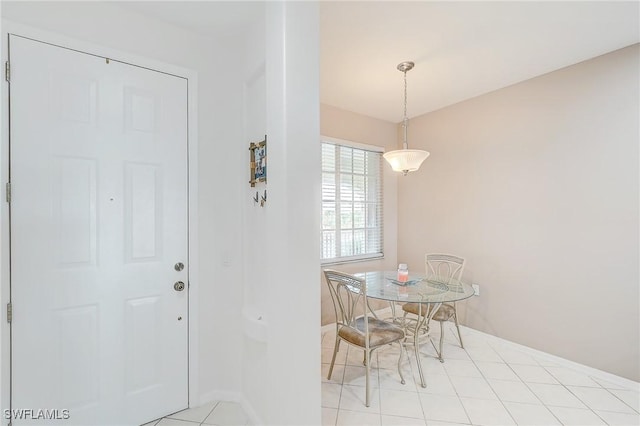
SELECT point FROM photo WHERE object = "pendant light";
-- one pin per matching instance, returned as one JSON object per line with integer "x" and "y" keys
{"x": 405, "y": 160}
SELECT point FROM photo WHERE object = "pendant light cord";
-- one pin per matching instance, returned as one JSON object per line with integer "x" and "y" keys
{"x": 405, "y": 121}
{"x": 405, "y": 94}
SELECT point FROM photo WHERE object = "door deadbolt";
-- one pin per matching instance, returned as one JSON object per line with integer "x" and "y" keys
{"x": 178, "y": 266}
{"x": 178, "y": 286}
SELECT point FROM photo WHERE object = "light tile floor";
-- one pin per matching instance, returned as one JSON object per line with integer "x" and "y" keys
{"x": 487, "y": 383}
{"x": 219, "y": 413}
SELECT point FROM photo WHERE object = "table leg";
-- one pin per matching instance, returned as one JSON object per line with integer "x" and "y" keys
{"x": 422, "y": 319}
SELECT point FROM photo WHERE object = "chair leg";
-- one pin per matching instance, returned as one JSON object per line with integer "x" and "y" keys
{"x": 367, "y": 355}
{"x": 336, "y": 346}
{"x": 441, "y": 340}
{"x": 400, "y": 362}
{"x": 455, "y": 317}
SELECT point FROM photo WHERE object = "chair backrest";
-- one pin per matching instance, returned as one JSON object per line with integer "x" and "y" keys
{"x": 445, "y": 266}
{"x": 349, "y": 297}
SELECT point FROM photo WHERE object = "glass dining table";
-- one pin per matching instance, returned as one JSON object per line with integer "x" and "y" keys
{"x": 429, "y": 292}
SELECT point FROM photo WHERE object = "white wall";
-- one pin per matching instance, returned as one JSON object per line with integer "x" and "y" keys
{"x": 257, "y": 259}
{"x": 536, "y": 185}
{"x": 254, "y": 231}
{"x": 293, "y": 247}
{"x": 281, "y": 239}
{"x": 222, "y": 170}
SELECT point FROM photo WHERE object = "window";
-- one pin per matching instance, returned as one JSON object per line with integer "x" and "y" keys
{"x": 351, "y": 202}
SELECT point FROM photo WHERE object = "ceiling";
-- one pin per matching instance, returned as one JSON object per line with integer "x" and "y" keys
{"x": 461, "y": 49}
{"x": 208, "y": 18}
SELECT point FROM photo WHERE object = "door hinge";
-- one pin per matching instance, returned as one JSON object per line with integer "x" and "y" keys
{"x": 9, "y": 312}
{"x": 8, "y": 192}
{"x": 7, "y": 71}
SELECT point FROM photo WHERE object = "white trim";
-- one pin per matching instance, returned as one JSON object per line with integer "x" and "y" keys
{"x": 254, "y": 418}
{"x": 591, "y": 371}
{"x": 352, "y": 144}
{"x": 238, "y": 397}
{"x": 192, "y": 128}
{"x": 95, "y": 49}
{"x": 352, "y": 259}
{"x": 5, "y": 366}
{"x": 328, "y": 327}
{"x": 218, "y": 395}
{"x": 194, "y": 252}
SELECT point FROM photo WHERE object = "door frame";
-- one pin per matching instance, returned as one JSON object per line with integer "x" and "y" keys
{"x": 9, "y": 27}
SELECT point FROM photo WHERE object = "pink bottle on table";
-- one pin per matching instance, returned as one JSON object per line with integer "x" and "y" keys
{"x": 403, "y": 273}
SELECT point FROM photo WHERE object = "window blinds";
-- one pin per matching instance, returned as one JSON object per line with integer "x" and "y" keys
{"x": 351, "y": 203}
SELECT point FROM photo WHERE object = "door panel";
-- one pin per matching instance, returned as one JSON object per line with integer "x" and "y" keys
{"x": 143, "y": 212}
{"x": 77, "y": 332}
{"x": 142, "y": 340}
{"x": 75, "y": 213}
{"x": 98, "y": 219}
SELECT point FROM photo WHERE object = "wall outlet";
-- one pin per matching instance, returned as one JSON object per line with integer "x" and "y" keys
{"x": 476, "y": 289}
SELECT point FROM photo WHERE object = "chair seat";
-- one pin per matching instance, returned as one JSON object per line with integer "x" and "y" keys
{"x": 444, "y": 313}
{"x": 380, "y": 333}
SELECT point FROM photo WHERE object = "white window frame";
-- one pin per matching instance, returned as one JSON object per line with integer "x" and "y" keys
{"x": 363, "y": 257}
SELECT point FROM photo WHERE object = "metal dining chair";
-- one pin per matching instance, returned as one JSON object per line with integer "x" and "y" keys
{"x": 446, "y": 268}
{"x": 357, "y": 324}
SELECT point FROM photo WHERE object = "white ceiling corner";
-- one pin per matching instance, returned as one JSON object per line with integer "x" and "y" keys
{"x": 461, "y": 49}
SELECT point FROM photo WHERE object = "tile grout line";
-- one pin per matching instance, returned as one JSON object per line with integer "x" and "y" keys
{"x": 576, "y": 396}
{"x": 207, "y": 416}
{"x": 415, "y": 384}
{"x": 344, "y": 369}
{"x": 599, "y": 386}
{"x": 454, "y": 386}
{"x": 588, "y": 406}
{"x": 486, "y": 379}
{"x": 450, "y": 382}
{"x": 497, "y": 349}
{"x": 523, "y": 381}
{"x": 615, "y": 396}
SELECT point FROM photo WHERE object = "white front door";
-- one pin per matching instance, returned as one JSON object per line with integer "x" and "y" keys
{"x": 98, "y": 169}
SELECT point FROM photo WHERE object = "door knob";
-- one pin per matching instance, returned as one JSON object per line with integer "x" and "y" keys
{"x": 178, "y": 266}
{"x": 178, "y": 286}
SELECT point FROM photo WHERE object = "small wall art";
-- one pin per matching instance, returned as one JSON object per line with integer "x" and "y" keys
{"x": 258, "y": 161}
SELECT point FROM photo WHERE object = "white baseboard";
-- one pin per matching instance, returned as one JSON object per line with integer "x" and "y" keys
{"x": 572, "y": 365}
{"x": 328, "y": 327}
{"x": 219, "y": 395}
{"x": 253, "y": 416}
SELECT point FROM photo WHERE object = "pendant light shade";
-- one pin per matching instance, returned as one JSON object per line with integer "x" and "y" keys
{"x": 405, "y": 160}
